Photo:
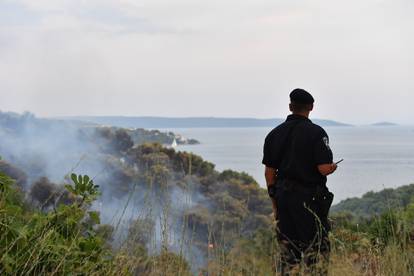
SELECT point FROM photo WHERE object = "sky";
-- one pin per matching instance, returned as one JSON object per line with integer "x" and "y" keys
{"x": 221, "y": 58}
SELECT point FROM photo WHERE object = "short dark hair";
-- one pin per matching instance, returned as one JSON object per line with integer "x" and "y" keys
{"x": 297, "y": 107}
{"x": 301, "y": 96}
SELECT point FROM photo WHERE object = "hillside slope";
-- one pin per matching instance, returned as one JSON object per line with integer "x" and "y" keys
{"x": 376, "y": 203}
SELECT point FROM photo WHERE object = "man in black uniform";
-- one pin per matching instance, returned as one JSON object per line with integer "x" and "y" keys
{"x": 298, "y": 158}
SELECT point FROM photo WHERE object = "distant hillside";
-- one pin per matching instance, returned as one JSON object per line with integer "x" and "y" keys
{"x": 13, "y": 122}
{"x": 384, "y": 124}
{"x": 191, "y": 122}
{"x": 375, "y": 203}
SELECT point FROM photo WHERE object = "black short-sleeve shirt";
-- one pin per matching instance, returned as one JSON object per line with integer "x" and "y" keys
{"x": 296, "y": 148}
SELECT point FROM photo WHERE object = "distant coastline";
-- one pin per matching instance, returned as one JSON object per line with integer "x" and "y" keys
{"x": 191, "y": 122}
{"x": 384, "y": 124}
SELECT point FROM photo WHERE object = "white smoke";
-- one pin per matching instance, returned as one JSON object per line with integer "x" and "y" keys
{"x": 56, "y": 148}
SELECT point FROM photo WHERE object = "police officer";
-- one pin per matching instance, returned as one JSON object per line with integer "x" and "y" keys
{"x": 298, "y": 159}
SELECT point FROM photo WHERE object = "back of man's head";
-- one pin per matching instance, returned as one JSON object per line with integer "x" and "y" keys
{"x": 301, "y": 101}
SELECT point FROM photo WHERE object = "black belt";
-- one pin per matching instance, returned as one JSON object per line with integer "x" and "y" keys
{"x": 297, "y": 186}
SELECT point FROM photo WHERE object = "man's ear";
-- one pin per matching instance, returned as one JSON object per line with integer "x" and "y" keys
{"x": 311, "y": 107}
{"x": 290, "y": 107}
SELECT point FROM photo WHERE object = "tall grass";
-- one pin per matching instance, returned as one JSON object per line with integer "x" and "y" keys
{"x": 65, "y": 241}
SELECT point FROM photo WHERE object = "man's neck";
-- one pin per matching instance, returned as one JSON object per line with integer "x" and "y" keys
{"x": 303, "y": 114}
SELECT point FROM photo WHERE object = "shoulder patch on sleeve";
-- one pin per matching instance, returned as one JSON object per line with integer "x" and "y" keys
{"x": 326, "y": 142}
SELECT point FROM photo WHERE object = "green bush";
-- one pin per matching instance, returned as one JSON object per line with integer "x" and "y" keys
{"x": 58, "y": 242}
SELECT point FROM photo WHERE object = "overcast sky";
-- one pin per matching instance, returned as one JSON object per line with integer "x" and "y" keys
{"x": 231, "y": 58}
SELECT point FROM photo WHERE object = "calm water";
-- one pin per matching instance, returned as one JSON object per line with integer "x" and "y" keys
{"x": 375, "y": 157}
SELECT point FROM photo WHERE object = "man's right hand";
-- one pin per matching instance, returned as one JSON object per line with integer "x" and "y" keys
{"x": 327, "y": 169}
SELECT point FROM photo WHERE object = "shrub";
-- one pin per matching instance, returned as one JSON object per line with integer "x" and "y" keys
{"x": 59, "y": 242}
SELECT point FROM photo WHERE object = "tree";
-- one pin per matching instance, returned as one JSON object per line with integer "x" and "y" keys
{"x": 122, "y": 142}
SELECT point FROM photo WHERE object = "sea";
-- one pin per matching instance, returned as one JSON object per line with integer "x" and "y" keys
{"x": 375, "y": 157}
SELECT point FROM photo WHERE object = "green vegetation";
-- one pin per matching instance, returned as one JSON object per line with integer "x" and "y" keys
{"x": 380, "y": 245}
{"x": 377, "y": 203}
{"x": 139, "y": 136}
{"x": 69, "y": 240}
{"x": 226, "y": 207}
{"x": 60, "y": 242}
{"x": 235, "y": 229}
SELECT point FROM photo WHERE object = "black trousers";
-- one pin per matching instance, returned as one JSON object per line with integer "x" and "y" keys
{"x": 302, "y": 231}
